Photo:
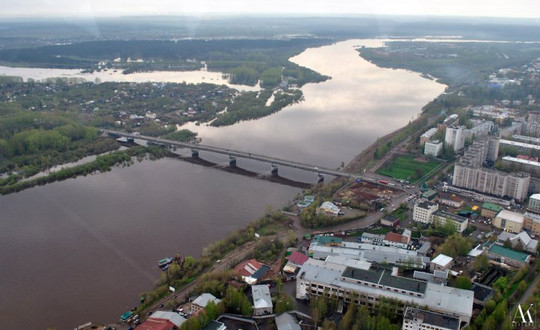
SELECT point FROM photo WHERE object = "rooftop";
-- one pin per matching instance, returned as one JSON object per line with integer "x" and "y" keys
{"x": 393, "y": 237}
{"x": 204, "y": 299}
{"x": 172, "y": 317}
{"x": 491, "y": 207}
{"x": 382, "y": 276}
{"x": 426, "y": 204}
{"x": 509, "y": 253}
{"x": 286, "y": 321}
{"x": 511, "y": 216}
{"x": 432, "y": 318}
{"x": 326, "y": 240}
{"x": 451, "y": 216}
{"x": 298, "y": 258}
{"x": 442, "y": 260}
{"x": 261, "y": 296}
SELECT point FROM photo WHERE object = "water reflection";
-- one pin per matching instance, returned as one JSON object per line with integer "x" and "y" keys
{"x": 339, "y": 117}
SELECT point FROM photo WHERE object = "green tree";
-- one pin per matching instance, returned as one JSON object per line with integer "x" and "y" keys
{"x": 463, "y": 282}
{"x": 481, "y": 263}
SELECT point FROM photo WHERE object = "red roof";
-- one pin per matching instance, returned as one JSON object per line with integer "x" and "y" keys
{"x": 156, "y": 324}
{"x": 298, "y": 258}
{"x": 248, "y": 267}
{"x": 393, "y": 237}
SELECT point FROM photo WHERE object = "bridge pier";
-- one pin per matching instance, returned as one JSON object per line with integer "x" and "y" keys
{"x": 232, "y": 161}
{"x": 274, "y": 169}
{"x": 320, "y": 178}
{"x": 194, "y": 153}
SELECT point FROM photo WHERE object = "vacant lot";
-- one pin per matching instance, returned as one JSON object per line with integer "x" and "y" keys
{"x": 408, "y": 168}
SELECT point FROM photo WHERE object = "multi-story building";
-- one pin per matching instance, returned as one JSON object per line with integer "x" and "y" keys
{"x": 490, "y": 181}
{"x": 421, "y": 319}
{"x": 427, "y": 135}
{"x": 534, "y": 203}
{"x": 532, "y": 223}
{"x": 374, "y": 285}
{"x": 433, "y": 148}
{"x": 455, "y": 137}
{"x": 441, "y": 218}
{"x": 510, "y": 221}
{"x": 422, "y": 211}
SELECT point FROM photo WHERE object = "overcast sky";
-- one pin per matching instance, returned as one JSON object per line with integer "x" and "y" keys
{"x": 94, "y": 8}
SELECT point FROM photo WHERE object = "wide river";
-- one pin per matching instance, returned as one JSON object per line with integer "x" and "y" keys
{"x": 83, "y": 249}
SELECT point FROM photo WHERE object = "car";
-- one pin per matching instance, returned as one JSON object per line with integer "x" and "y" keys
{"x": 149, "y": 313}
{"x": 218, "y": 261}
{"x": 161, "y": 305}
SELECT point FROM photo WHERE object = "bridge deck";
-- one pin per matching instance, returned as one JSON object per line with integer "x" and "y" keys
{"x": 240, "y": 154}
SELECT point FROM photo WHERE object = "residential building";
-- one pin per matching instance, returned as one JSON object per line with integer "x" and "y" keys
{"x": 441, "y": 262}
{"x": 508, "y": 256}
{"x": 328, "y": 208}
{"x": 490, "y": 181}
{"x": 433, "y": 148}
{"x": 519, "y": 164}
{"x": 295, "y": 261}
{"x": 441, "y": 218}
{"x": 215, "y": 325}
{"x": 532, "y": 223}
{"x": 481, "y": 128}
{"x": 262, "y": 301}
{"x": 422, "y": 211}
{"x": 427, "y": 135}
{"x": 172, "y": 317}
{"x": 490, "y": 210}
{"x": 420, "y": 319}
{"x": 251, "y": 270}
{"x": 377, "y": 283}
{"x": 201, "y": 301}
{"x": 455, "y": 137}
{"x": 534, "y": 203}
{"x": 510, "y": 221}
{"x": 523, "y": 239}
{"x": 286, "y": 321}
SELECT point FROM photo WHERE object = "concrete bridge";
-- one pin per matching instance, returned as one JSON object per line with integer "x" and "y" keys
{"x": 234, "y": 154}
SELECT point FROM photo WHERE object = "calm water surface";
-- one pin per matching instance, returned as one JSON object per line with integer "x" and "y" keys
{"x": 82, "y": 250}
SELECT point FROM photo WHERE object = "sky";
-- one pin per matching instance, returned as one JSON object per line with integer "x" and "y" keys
{"x": 98, "y": 8}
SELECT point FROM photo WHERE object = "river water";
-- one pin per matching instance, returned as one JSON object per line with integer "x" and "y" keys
{"x": 83, "y": 249}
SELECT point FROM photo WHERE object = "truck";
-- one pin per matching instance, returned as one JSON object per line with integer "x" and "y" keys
{"x": 383, "y": 181}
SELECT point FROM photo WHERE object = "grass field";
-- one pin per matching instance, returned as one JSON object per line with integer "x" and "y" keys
{"x": 408, "y": 168}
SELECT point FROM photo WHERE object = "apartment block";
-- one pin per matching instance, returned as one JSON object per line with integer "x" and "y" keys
{"x": 423, "y": 211}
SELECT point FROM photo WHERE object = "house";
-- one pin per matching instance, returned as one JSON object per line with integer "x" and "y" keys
{"x": 296, "y": 260}
{"x": 415, "y": 318}
{"x": 527, "y": 243}
{"x": 441, "y": 262}
{"x": 328, "y": 208}
{"x": 251, "y": 270}
{"x": 510, "y": 221}
{"x": 286, "y": 321}
{"x": 172, "y": 317}
{"x": 262, "y": 301}
{"x": 201, "y": 301}
{"x": 508, "y": 256}
{"x": 156, "y": 324}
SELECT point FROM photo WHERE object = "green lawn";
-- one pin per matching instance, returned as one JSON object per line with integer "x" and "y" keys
{"x": 407, "y": 168}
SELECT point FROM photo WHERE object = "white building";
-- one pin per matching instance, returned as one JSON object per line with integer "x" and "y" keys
{"x": 455, "y": 137}
{"x": 423, "y": 211}
{"x": 328, "y": 208}
{"x": 262, "y": 301}
{"x": 441, "y": 262}
{"x": 420, "y": 319}
{"x": 441, "y": 218}
{"x": 203, "y": 300}
{"x": 510, "y": 221}
{"x": 370, "y": 286}
{"x": 427, "y": 135}
{"x": 534, "y": 203}
{"x": 433, "y": 148}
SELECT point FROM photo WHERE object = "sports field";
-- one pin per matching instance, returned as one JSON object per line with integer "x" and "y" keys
{"x": 410, "y": 168}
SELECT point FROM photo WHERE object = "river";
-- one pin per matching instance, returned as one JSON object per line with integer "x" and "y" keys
{"x": 83, "y": 249}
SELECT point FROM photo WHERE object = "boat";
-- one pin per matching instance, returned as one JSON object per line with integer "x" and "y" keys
{"x": 164, "y": 262}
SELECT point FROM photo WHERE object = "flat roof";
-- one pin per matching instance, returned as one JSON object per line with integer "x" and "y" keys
{"x": 382, "y": 276}
{"x": 511, "y": 216}
{"x": 451, "y": 216}
{"x": 491, "y": 207}
{"x": 521, "y": 161}
{"x": 520, "y": 144}
{"x": 509, "y": 253}
{"x": 439, "y": 298}
{"x": 432, "y": 318}
{"x": 442, "y": 260}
